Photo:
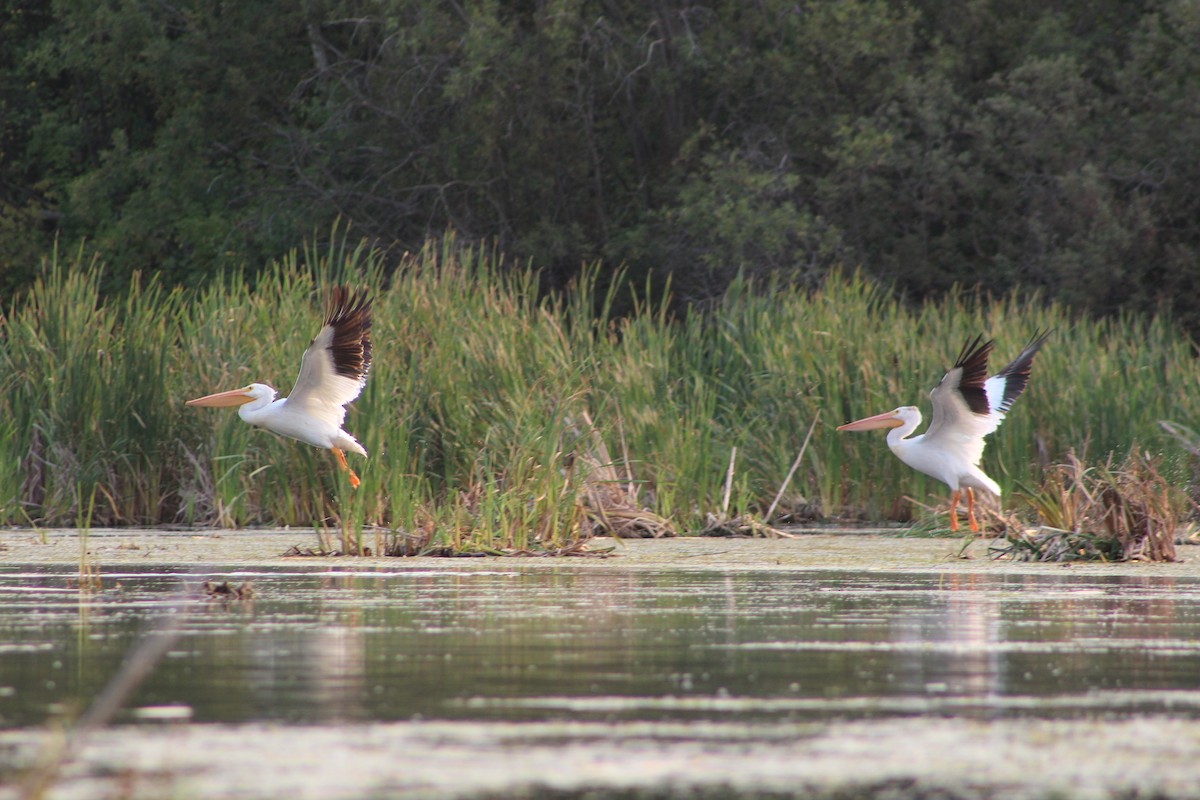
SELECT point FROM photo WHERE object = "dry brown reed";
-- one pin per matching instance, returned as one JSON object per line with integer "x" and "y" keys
{"x": 609, "y": 490}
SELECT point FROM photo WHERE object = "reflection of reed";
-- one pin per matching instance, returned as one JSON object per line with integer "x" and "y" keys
{"x": 1121, "y": 637}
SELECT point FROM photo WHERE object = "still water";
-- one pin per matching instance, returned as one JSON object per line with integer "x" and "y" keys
{"x": 320, "y": 649}
{"x": 512, "y": 644}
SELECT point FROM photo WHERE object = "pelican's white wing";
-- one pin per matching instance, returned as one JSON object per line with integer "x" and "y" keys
{"x": 961, "y": 415}
{"x": 968, "y": 405}
{"x": 334, "y": 368}
{"x": 1005, "y": 386}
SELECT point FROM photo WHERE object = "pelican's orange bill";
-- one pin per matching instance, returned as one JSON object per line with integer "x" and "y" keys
{"x": 236, "y": 397}
{"x": 886, "y": 420}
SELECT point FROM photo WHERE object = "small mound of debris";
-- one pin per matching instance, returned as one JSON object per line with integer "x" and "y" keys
{"x": 1054, "y": 545}
{"x": 742, "y": 526}
{"x": 626, "y": 522}
{"x": 226, "y": 591}
{"x": 296, "y": 551}
{"x": 405, "y": 545}
{"x": 610, "y": 497}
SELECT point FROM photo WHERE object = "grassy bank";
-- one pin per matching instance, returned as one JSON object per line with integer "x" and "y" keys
{"x": 486, "y": 406}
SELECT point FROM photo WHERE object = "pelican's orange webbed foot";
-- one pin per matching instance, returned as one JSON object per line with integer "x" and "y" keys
{"x": 341, "y": 459}
{"x": 971, "y": 511}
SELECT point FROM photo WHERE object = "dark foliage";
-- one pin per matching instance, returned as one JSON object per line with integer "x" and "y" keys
{"x": 990, "y": 143}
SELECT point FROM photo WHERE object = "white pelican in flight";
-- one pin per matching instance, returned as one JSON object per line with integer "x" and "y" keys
{"x": 333, "y": 372}
{"x": 967, "y": 406}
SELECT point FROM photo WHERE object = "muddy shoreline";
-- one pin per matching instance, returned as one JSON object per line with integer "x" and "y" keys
{"x": 863, "y": 549}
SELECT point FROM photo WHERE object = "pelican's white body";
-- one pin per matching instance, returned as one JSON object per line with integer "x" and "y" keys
{"x": 311, "y": 420}
{"x": 953, "y": 457}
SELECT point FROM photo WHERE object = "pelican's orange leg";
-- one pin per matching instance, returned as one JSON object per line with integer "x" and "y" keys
{"x": 954, "y": 510}
{"x": 971, "y": 510}
{"x": 341, "y": 459}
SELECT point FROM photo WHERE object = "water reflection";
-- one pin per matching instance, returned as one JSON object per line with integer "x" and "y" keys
{"x": 971, "y": 621}
{"x": 610, "y": 644}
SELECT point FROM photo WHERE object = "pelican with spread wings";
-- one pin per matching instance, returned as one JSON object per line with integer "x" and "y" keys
{"x": 333, "y": 372}
{"x": 967, "y": 406}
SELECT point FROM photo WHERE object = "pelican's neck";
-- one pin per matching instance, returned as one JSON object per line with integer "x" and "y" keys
{"x": 253, "y": 411}
{"x": 896, "y": 436}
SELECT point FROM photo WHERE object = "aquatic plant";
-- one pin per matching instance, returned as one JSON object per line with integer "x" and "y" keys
{"x": 474, "y": 414}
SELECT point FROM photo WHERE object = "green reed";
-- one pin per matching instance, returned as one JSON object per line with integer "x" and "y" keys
{"x": 473, "y": 415}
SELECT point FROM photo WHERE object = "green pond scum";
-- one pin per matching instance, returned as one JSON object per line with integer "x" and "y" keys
{"x": 500, "y": 417}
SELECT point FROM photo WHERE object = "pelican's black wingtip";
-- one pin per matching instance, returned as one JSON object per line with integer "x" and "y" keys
{"x": 349, "y": 314}
{"x": 343, "y": 304}
{"x": 1016, "y": 372}
{"x": 1038, "y": 339}
{"x": 972, "y": 365}
{"x": 974, "y": 350}
{"x": 1024, "y": 360}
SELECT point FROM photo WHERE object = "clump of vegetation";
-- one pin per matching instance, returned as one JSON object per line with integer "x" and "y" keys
{"x": 1108, "y": 512}
{"x": 227, "y": 591}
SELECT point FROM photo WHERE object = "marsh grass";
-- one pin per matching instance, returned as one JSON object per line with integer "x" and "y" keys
{"x": 480, "y": 380}
{"x": 89, "y": 572}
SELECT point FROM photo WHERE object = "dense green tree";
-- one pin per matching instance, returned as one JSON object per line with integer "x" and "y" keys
{"x": 145, "y": 122}
{"x": 932, "y": 143}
